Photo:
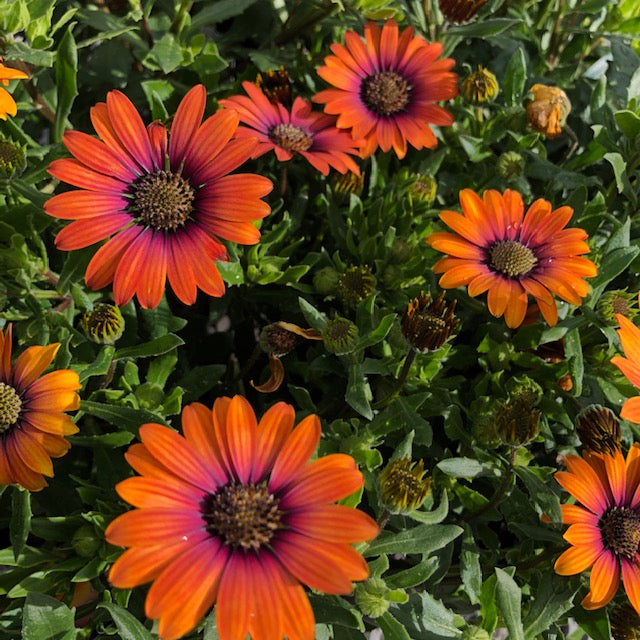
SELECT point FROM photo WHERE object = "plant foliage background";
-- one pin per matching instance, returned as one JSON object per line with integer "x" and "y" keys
{"x": 476, "y": 556}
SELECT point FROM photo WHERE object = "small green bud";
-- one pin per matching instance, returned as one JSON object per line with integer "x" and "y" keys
{"x": 403, "y": 485}
{"x": 371, "y": 597}
{"x": 475, "y": 633}
{"x": 479, "y": 86}
{"x": 325, "y": 281}
{"x": 340, "y": 336}
{"x": 104, "y": 323}
{"x": 85, "y": 541}
{"x": 356, "y": 284}
{"x": 510, "y": 165}
{"x": 13, "y": 160}
{"x": 401, "y": 251}
{"x": 616, "y": 301}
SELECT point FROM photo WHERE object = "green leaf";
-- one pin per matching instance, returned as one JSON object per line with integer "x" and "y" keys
{"x": 167, "y": 52}
{"x": 66, "y": 81}
{"x": 594, "y": 623}
{"x": 548, "y": 501}
{"x": 155, "y": 347}
{"x": 378, "y": 334}
{"x": 129, "y": 627}
{"x": 460, "y": 467}
{"x": 45, "y": 618}
{"x": 126, "y": 417}
{"x": 620, "y": 172}
{"x": 100, "y": 366}
{"x": 628, "y": 122}
{"x": 219, "y": 11}
{"x": 612, "y": 265}
{"x": 550, "y": 601}
{"x": 115, "y": 439}
{"x": 231, "y": 272}
{"x": 515, "y": 77}
{"x": 315, "y": 318}
{"x": 414, "y": 576}
{"x": 509, "y": 600}
{"x": 358, "y": 393}
{"x": 470, "y": 570}
{"x": 573, "y": 353}
{"x": 425, "y": 613}
{"x": 335, "y": 611}
{"x": 20, "y": 523}
{"x": 436, "y": 515}
{"x": 483, "y": 28}
{"x": 423, "y": 539}
{"x": 391, "y": 628}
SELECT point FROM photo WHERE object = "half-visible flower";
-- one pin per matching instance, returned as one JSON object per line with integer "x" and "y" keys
{"x": 386, "y": 87}
{"x": 605, "y": 532}
{"x": 233, "y": 513}
{"x": 32, "y": 422}
{"x": 312, "y": 135}
{"x": 629, "y": 336}
{"x": 7, "y": 103}
{"x": 499, "y": 248}
{"x": 165, "y": 199}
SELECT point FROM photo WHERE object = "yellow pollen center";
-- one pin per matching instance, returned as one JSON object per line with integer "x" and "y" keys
{"x": 10, "y": 405}
{"x": 512, "y": 258}
{"x": 385, "y": 93}
{"x": 244, "y": 515}
{"x": 163, "y": 200}
{"x": 290, "y": 137}
{"x": 620, "y": 528}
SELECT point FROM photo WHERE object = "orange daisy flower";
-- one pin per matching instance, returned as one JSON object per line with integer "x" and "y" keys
{"x": 386, "y": 88}
{"x": 165, "y": 199}
{"x": 313, "y": 135}
{"x": 233, "y": 513}
{"x": 32, "y": 425}
{"x": 629, "y": 336}
{"x": 7, "y": 103}
{"x": 498, "y": 248}
{"x": 605, "y": 533}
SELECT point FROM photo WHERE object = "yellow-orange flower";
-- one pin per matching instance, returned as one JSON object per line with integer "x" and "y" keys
{"x": 386, "y": 87}
{"x": 233, "y": 513}
{"x": 605, "y": 532}
{"x": 629, "y": 336}
{"x": 32, "y": 422}
{"x": 499, "y": 248}
{"x": 7, "y": 103}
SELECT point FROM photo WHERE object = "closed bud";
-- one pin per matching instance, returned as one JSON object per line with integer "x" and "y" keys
{"x": 13, "y": 159}
{"x": 104, "y": 323}
{"x": 426, "y": 325}
{"x": 480, "y": 86}
{"x": 344, "y": 184}
{"x": 510, "y": 165}
{"x": 403, "y": 485}
{"x": 599, "y": 429}
{"x": 356, "y": 284}
{"x": 618, "y": 301}
{"x": 276, "y": 85}
{"x": 460, "y": 10}
{"x": 325, "y": 281}
{"x": 340, "y": 336}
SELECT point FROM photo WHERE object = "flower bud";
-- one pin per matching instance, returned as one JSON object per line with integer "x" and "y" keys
{"x": 340, "y": 336}
{"x": 356, "y": 284}
{"x": 510, "y": 165}
{"x": 460, "y": 10}
{"x": 13, "y": 160}
{"x": 426, "y": 325}
{"x": 480, "y": 86}
{"x": 548, "y": 110}
{"x": 276, "y": 85}
{"x": 599, "y": 429}
{"x": 403, "y": 485}
{"x": 104, "y": 323}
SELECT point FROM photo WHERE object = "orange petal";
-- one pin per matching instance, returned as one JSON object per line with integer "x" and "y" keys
{"x": 235, "y": 600}
{"x": 185, "y": 124}
{"x": 295, "y": 453}
{"x": 186, "y": 589}
{"x": 241, "y": 436}
{"x": 631, "y": 410}
{"x": 631, "y": 579}
{"x": 154, "y": 493}
{"x": 583, "y": 535}
{"x": 333, "y": 523}
{"x": 273, "y": 429}
{"x": 31, "y": 363}
{"x": 589, "y": 602}
{"x": 605, "y": 573}
{"x": 576, "y": 559}
{"x": 148, "y": 527}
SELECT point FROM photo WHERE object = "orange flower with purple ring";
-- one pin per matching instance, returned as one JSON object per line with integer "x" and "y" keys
{"x": 289, "y": 132}
{"x": 165, "y": 198}
{"x": 605, "y": 532}
{"x": 32, "y": 423}
{"x": 499, "y": 248}
{"x": 385, "y": 88}
{"x": 233, "y": 513}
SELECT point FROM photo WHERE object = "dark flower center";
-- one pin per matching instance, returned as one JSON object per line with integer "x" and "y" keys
{"x": 163, "y": 200}
{"x": 290, "y": 137}
{"x": 10, "y": 405}
{"x": 512, "y": 258}
{"x": 426, "y": 325}
{"x": 244, "y": 515}
{"x": 385, "y": 93}
{"x": 621, "y": 305}
{"x": 620, "y": 528}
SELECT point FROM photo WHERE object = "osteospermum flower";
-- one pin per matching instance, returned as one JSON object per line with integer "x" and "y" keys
{"x": 386, "y": 86}
{"x": 605, "y": 531}
{"x": 498, "y": 248}
{"x": 7, "y": 103}
{"x": 629, "y": 336}
{"x": 234, "y": 513}
{"x": 165, "y": 199}
{"x": 32, "y": 422}
{"x": 313, "y": 135}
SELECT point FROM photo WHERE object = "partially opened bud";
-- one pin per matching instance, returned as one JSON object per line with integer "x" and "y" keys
{"x": 547, "y": 112}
